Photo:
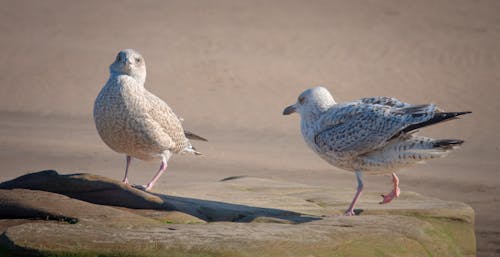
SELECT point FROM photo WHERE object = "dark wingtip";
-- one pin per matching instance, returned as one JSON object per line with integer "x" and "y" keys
{"x": 447, "y": 143}
{"x": 463, "y": 113}
{"x": 438, "y": 118}
{"x": 193, "y": 136}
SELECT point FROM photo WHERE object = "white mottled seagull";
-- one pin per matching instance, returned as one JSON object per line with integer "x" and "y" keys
{"x": 135, "y": 122}
{"x": 372, "y": 135}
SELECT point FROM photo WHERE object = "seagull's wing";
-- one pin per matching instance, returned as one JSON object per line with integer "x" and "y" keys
{"x": 193, "y": 136}
{"x": 163, "y": 115}
{"x": 167, "y": 117}
{"x": 384, "y": 100}
{"x": 355, "y": 128}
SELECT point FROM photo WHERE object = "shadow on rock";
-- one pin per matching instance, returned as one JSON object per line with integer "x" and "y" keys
{"x": 104, "y": 191}
{"x": 211, "y": 211}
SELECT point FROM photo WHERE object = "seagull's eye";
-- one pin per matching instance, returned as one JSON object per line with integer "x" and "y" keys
{"x": 302, "y": 100}
{"x": 118, "y": 58}
{"x": 138, "y": 60}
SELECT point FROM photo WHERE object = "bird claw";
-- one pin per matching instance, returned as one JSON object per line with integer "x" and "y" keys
{"x": 394, "y": 193}
{"x": 354, "y": 212}
{"x": 349, "y": 213}
{"x": 142, "y": 187}
{"x": 390, "y": 196}
{"x": 386, "y": 198}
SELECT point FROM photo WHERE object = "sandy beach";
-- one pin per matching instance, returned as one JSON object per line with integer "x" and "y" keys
{"x": 230, "y": 67}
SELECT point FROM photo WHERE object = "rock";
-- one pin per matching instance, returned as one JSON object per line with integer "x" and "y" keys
{"x": 33, "y": 204}
{"x": 243, "y": 216}
{"x": 87, "y": 187}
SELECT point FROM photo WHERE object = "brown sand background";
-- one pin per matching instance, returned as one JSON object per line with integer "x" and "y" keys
{"x": 230, "y": 67}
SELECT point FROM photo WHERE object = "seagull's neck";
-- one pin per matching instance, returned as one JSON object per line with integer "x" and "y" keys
{"x": 127, "y": 80}
{"x": 309, "y": 119}
{"x": 309, "y": 128}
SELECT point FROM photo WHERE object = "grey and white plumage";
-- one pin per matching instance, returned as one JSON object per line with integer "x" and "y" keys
{"x": 371, "y": 135}
{"x": 132, "y": 120}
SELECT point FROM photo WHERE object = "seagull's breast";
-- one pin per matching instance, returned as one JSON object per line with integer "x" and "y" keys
{"x": 122, "y": 122}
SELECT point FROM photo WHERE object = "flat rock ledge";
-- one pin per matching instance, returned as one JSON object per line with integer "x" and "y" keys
{"x": 49, "y": 214}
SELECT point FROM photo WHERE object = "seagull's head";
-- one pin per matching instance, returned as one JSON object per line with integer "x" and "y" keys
{"x": 311, "y": 102}
{"x": 129, "y": 62}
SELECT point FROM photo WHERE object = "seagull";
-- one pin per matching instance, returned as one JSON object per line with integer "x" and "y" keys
{"x": 373, "y": 135}
{"x": 133, "y": 121}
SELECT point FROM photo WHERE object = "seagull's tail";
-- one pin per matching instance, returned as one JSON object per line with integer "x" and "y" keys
{"x": 419, "y": 148}
{"x": 407, "y": 149}
{"x": 446, "y": 144}
{"x": 191, "y": 149}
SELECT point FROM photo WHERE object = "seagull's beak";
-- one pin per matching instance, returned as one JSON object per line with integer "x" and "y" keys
{"x": 289, "y": 110}
{"x": 127, "y": 65}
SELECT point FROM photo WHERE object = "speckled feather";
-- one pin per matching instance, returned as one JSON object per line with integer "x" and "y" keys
{"x": 356, "y": 128}
{"x": 133, "y": 121}
{"x": 365, "y": 134}
{"x": 384, "y": 100}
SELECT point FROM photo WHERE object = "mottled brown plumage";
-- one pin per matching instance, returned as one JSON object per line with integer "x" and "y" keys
{"x": 132, "y": 120}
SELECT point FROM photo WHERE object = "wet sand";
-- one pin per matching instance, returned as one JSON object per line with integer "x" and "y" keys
{"x": 230, "y": 68}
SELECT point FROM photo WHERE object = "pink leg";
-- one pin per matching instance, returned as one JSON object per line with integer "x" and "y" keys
{"x": 163, "y": 167}
{"x": 350, "y": 210}
{"x": 395, "y": 191}
{"x": 129, "y": 159}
